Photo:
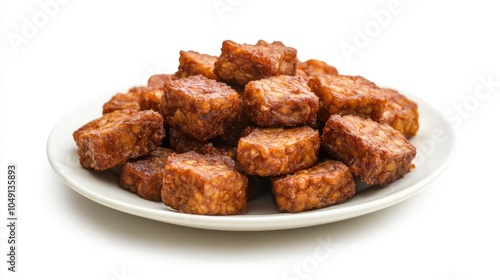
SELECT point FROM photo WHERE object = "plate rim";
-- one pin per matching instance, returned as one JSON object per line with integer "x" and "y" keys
{"x": 278, "y": 221}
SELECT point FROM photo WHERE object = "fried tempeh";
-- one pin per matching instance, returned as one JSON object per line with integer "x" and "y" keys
{"x": 278, "y": 151}
{"x": 326, "y": 183}
{"x": 242, "y": 63}
{"x": 113, "y": 139}
{"x": 144, "y": 175}
{"x": 375, "y": 152}
{"x": 204, "y": 184}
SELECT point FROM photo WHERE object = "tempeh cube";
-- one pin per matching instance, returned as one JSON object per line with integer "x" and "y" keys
{"x": 116, "y": 137}
{"x": 280, "y": 101}
{"x": 144, "y": 175}
{"x": 344, "y": 95}
{"x": 204, "y": 184}
{"x": 375, "y": 152}
{"x": 401, "y": 113}
{"x": 200, "y": 107}
{"x": 242, "y": 63}
{"x": 278, "y": 151}
{"x": 193, "y": 63}
{"x": 326, "y": 183}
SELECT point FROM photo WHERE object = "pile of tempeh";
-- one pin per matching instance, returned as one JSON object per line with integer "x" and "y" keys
{"x": 213, "y": 135}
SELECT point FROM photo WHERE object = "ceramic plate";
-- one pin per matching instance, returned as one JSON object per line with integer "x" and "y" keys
{"x": 435, "y": 144}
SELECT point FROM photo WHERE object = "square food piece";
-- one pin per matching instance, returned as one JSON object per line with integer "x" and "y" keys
{"x": 327, "y": 183}
{"x": 347, "y": 95}
{"x": 242, "y": 63}
{"x": 278, "y": 151}
{"x": 144, "y": 175}
{"x": 200, "y": 107}
{"x": 121, "y": 101}
{"x": 204, "y": 184}
{"x": 401, "y": 113}
{"x": 116, "y": 137}
{"x": 313, "y": 67}
{"x": 193, "y": 63}
{"x": 375, "y": 152}
{"x": 280, "y": 101}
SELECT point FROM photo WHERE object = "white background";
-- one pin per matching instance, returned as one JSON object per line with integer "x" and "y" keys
{"x": 56, "y": 56}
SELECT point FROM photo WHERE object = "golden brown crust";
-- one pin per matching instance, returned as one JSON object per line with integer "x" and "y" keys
{"x": 280, "y": 101}
{"x": 313, "y": 67}
{"x": 150, "y": 100}
{"x": 347, "y": 95}
{"x": 122, "y": 101}
{"x": 156, "y": 81}
{"x": 278, "y": 151}
{"x": 401, "y": 113}
{"x": 137, "y": 98}
{"x": 200, "y": 107}
{"x": 204, "y": 184}
{"x": 194, "y": 63}
{"x": 327, "y": 183}
{"x": 242, "y": 63}
{"x": 144, "y": 175}
{"x": 105, "y": 119}
{"x": 113, "y": 140}
{"x": 375, "y": 152}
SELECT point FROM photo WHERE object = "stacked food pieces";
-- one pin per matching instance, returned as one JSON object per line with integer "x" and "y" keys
{"x": 223, "y": 129}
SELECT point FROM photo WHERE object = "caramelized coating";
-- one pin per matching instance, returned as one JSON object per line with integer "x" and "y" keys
{"x": 280, "y": 101}
{"x": 204, "y": 184}
{"x": 242, "y": 63}
{"x": 144, "y": 175}
{"x": 347, "y": 95}
{"x": 193, "y": 63}
{"x": 401, "y": 113}
{"x": 200, "y": 107}
{"x": 375, "y": 152}
{"x": 150, "y": 100}
{"x": 104, "y": 120}
{"x": 313, "y": 67}
{"x": 278, "y": 151}
{"x": 327, "y": 183}
{"x": 233, "y": 132}
{"x": 117, "y": 137}
{"x": 156, "y": 81}
{"x": 121, "y": 101}
{"x": 182, "y": 143}
{"x": 138, "y": 98}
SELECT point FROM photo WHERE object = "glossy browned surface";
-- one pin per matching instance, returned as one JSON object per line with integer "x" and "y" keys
{"x": 156, "y": 81}
{"x": 375, "y": 152}
{"x": 194, "y": 63}
{"x": 204, "y": 184}
{"x": 313, "y": 66}
{"x": 144, "y": 175}
{"x": 347, "y": 95}
{"x": 114, "y": 139}
{"x": 280, "y": 101}
{"x": 401, "y": 113}
{"x": 242, "y": 63}
{"x": 327, "y": 183}
{"x": 278, "y": 151}
{"x": 200, "y": 107}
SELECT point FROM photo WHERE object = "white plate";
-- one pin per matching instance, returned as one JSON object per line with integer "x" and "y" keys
{"x": 435, "y": 144}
